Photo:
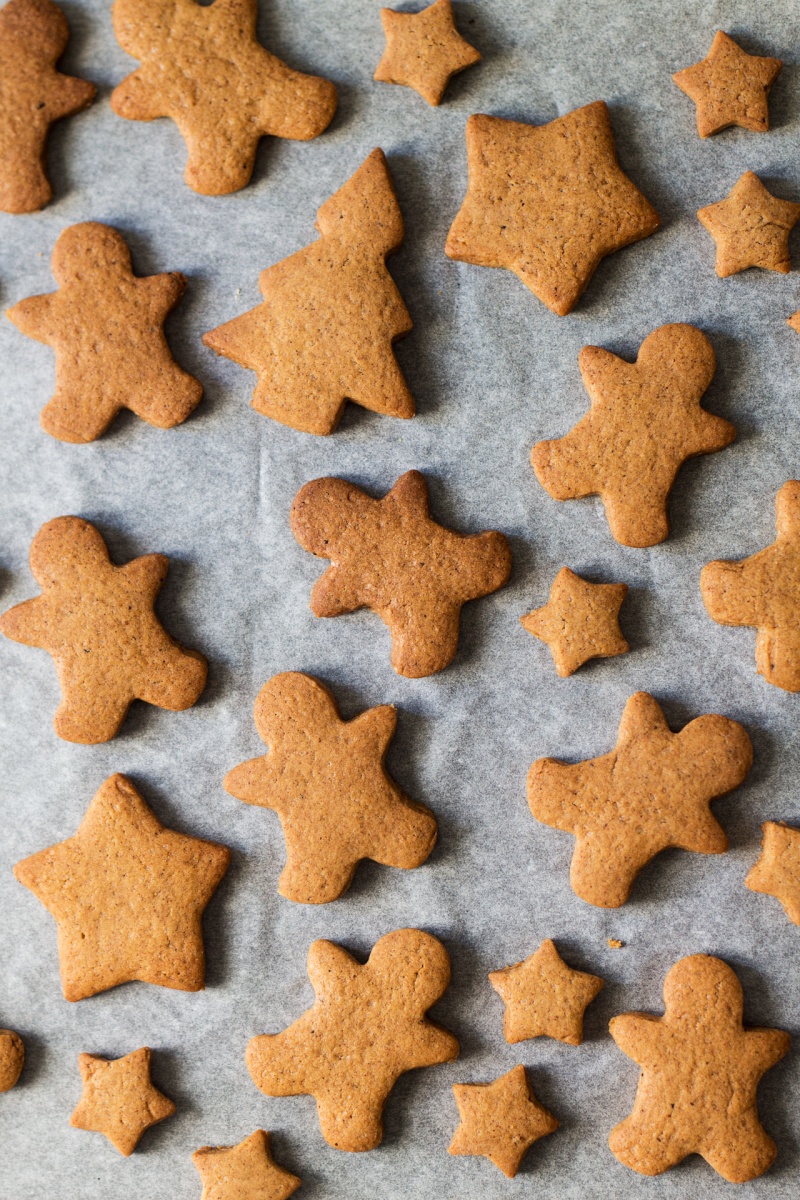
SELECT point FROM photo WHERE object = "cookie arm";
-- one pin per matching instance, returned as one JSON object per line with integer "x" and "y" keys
{"x": 731, "y": 590}
{"x": 37, "y": 317}
{"x": 635, "y": 1034}
{"x": 136, "y": 99}
{"x": 67, "y": 95}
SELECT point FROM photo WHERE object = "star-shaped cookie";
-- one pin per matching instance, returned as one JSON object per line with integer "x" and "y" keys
{"x": 548, "y": 202}
{"x": 729, "y": 87}
{"x": 33, "y": 94}
{"x": 330, "y": 316}
{"x": 543, "y": 996}
{"x": 326, "y": 780}
{"x": 580, "y": 621}
{"x": 700, "y": 1070}
{"x": 751, "y": 228}
{"x": 12, "y": 1059}
{"x": 652, "y": 791}
{"x": 391, "y": 556}
{"x": 424, "y": 50}
{"x": 98, "y": 623}
{"x": 119, "y": 1099}
{"x": 244, "y": 1172}
{"x": 777, "y": 872}
{"x": 764, "y": 590}
{"x": 203, "y": 66}
{"x": 128, "y": 896}
{"x": 366, "y": 1028}
{"x": 645, "y": 421}
{"x": 500, "y": 1120}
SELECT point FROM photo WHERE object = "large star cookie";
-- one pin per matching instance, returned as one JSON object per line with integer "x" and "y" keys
{"x": 366, "y": 1028}
{"x": 33, "y": 94}
{"x": 699, "y": 1073}
{"x": 500, "y": 1120}
{"x": 326, "y": 780}
{"x": 652, "y": 791}
{"x": 751, "y": 228}
{"x": 128, "y": 896}
{"x": 98, "y": 623}
{"x": 777, "y": 872}
{"x": 729, "y": 87}
{"x": 548, "y": 202}
{"x": 764, "y": 590}
{"x": 544, "y": 997}
{"x": 119, "y": 1099}
{"x": 203, "y": 66}
{"x": 244, "y": 1172}
{"x": 645, "y": 421}
{"x": 424, "y": 50}
{"x": 106, "y": 327}
{"x": 12, "y": 1059}
{"x": 580, "y": 621}
{"x": 330, "y": 315}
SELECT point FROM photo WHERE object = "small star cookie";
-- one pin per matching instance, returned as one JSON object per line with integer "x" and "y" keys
{"x": 645, "y": 421}
{"x": 244, "y": 1172}
{"x": 33, "y": 94}
{"x": 326, "y": 780}
{"x": 729, "y": 87}
{"x": 580, "y": 621}
{"x": 652, "y": 791}
{"x": 424, "y": 50}
{"x": 119, "y": 1099}
{"x": 106, "y": 327}
{"x": 700, "y": 1070}
{"x": 751, "y": 228}
{"x": 548, "y": 202}
{"x": 203, "y": 66}
{"x": 128, "y": 896}
{"x": 500, "y": 1121}
{"x": 12, "y": 1059}
{"x": 544, "y": 997}
{"x": 366, "y": 1028}
{"x": 777, "y": 872}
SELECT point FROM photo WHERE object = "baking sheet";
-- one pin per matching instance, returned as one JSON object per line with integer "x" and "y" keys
{"x": 492, "y": 371}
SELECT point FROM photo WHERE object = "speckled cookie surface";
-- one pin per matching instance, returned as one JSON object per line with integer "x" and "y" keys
{"x": 424, "y": 50}
{"x": 500, "y": 1120}
{"x": 751, "y": 228}
{"x": 246, "y": 1171}
{"x": 12, "y": 1059}
{"x": 544, "y": 997}
{"x": 119, "y": 1099}
{"x": 580, "y": 621}
{"x": 729, "y": 87}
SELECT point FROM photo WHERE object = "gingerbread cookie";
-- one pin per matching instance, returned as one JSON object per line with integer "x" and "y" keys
{"x": 645, "y": 421}
{"x": 500, "y": 1120}
{"x": 580, "y": 621}
{"x": 391, "y": 556}
{"x": 700, "y": 1071}
{"x": 764, "y": 590}
{"x": 729, "y": 87}
{"x": 128, "y": 896}
{"x": 424, "y": 50}
{"x": 326, "y": 780}
{"x": 544, "y": 997}
{"x": 98, "y": 623}
{"x": 777, "y": 872}
{"x": 12, "y": 1059}
{"x": 243, "y": 1172}
{"x": 106, "y": 327}
{"x": 652, "y": 791}
{"x": 203, "y": 66}
{"x": 33, "y": 94}
{"x": 119, "y": 1099}
{"x": 751, "y": 228}
{"x": 548, "y": 202}
{"x": 330, "y": 316}
{"x": 367, "y": 1027}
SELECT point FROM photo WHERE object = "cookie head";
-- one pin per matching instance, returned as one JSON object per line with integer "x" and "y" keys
{"x": 89, "y": 249}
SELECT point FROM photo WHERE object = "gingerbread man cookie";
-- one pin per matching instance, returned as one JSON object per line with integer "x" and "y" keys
{"x": 500, "y": 1120}
{"x": 729, "y": 87}
{"x": 424, "y": 50}
{"x": 751, "y": 228}
{"x": 544, "y": 997}
{"x": 12, "y": 1059}
{"x": 580, "y": 621}
{"x": 119, "y": 1099}
{"x": 777, "y": 872}
{"x": 244, "y": 1172}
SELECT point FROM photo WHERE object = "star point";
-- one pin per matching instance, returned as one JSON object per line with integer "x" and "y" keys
{"x": 580, "y": 621}
{"x": 751, "y": 228}
{"x": 777, "y": 872}
{"x": 424, "y": 50}
{"x": 500, "y": 1121}
{"x": 246, "y": 1171}
{"x": 544, "y": 997}
{"x": 729, "y": 87}
{"x": 119, "y": 1099}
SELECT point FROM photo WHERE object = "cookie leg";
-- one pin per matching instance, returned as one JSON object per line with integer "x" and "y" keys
{"x": 221, "y": 159}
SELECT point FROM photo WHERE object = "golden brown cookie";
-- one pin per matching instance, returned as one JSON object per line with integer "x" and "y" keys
{"x": 33, "y": 94}
{"x": 98, "y": 623}
{"x": 777, "y": 872}
{"x": 645, "y": 421}
{"x": 424, "y": 50}
{"x": 203, "y": 66}
{"x": 652, "y": 791}
{"x": 729, "y": 87}
{"x": 700, "y": 1071}
{"x": 119, "y": 1099}
{"x": 12, "y": 1059}
{"x": 500, "y": 1120}
{"x": 128, "y": 896}
{"x": 106, "y": 327}
{"x": 764, "y": 590}
{"x": 751, "y": 228}
{"x": 548, "y": 202}
{"x": 580, "y": 621}
{"x": 366, "y": 1028}
{"x": 243, "y": 1172}
{"x": 330, "y": 315}
{"x": 543, "y": 996}
{"x": 326, "y": 780}
{"x": 391, "y": 556}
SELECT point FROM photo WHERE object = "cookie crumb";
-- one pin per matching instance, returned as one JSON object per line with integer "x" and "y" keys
{"x": 615, "y": 943}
